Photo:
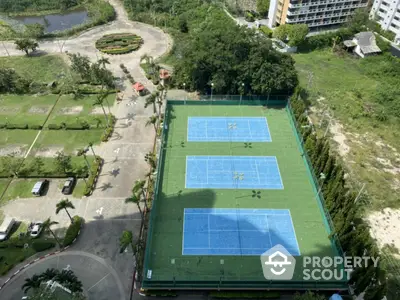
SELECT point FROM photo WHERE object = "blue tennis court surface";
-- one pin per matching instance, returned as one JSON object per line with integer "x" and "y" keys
{"x": 233, "y": 172}
{"x": 222, "y": 231}
{"x": 227, "y": 129}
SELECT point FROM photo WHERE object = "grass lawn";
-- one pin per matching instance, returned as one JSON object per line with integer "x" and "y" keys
{"x": 79, "y": 189}
{"x": 17, "y": 137}
{"x": 44, "y": 68}
{"x": 69, "y": 140}
{"x": 70, "y": 110}
{"x": 20, "y": 188}
{"x": 26, "y": 109}
{"x": 342, "y": 86}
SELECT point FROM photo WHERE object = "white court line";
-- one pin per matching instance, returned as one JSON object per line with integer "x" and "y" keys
{"x": 186, "y": 173}
{"x": 258, "y": 175}
{"x": 209, "y": 238}
{"x": 248, "y": 124}
{"x": 279, "y": 172}
{"x": 269, "y": 133}
{"x": 295, "y": 236}
{"x": 183, "y": 230}
{"x": 269, "y": 235}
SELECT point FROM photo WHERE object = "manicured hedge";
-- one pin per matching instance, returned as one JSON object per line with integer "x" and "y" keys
{"x": 41, "y": 245}
{"x": 72, "y": 231}
{"x": 119, "y": 43}
{"x": 109, "y": 130}
{"x": 95, "y": 170}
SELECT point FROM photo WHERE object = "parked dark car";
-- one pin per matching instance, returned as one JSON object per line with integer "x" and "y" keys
{"x": 40, "y": 187}
{"x": 68, "y": 186}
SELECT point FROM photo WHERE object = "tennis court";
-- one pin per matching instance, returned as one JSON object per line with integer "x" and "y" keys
{"x": 226, "y": 129}
{"x": 233, "y": 172}
{"x": 219, "y": 231}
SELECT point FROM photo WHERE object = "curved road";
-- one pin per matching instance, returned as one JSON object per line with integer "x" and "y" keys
{"x": 105, "y": 212}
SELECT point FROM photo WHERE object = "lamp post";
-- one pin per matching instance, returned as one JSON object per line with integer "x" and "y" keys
{"x": 212, "y": 85}
{"x": 241, "y": 93}
{"x": 184, "y": 89}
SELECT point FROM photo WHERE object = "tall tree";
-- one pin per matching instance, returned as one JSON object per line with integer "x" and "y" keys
{"x": 25, "y": 45}
{"x": 31, "y": 283}
{"x": 297, "y": 34}
{"x": 34, "y": 31}
{"x": 82, "y": 152}
{"x": 65, "y": 204}
{"x": 135, "y": 198}
{"x": 151, "y": 99}
{"x": 81, "y": 65}
{"x": 152, "y": 121}
{"x": 63, "y": 162}
{"x": 125, "y": 241}
{"x": 47, "y": 228}
{"x": 99, "y": 101}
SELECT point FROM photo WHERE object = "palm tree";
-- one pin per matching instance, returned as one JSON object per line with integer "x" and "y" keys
{"x": 103, "y": 61}
{"x": 99, "y": 101}
{"x": 49, "y": 274}
{"x": 47, "y": 227}
{"x": 91, "y": 148}
{"x": 31, "y": 283}
{"x": 151, "y": 99}
{"x": 82, "y": 152}
{"x": 139, "y": 188}
{"x": 98, "y": 121}
{"x": 152, "y": 121}
{"x": 125, "y": 241}
{"x": 135, "y": 199}
{"x": 64, "y": 204}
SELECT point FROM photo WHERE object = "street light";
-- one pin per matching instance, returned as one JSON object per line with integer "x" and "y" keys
{"x": 241, "y": 93}
{"x": 184, "y": 89}
{"x": 212, "y": 85}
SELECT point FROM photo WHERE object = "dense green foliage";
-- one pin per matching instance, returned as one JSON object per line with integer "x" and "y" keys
{"x": 94, "y": 170}
{"x": 11, "y": 82}
{"x": 36, "y": 5}
{"x": 73, "y": 231}
{"x": 294, "y": 34}
{"x": 215, "y": 50}
{"x": 26, "y": 44}
{"x": 41, "y": 245}
{"x": 346, "y": 213}
{"x": 119, "y": 43}
{"x": 263, "y": 7}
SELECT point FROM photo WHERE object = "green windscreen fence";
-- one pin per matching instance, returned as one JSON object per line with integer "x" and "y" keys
{"x": 165, "y": 267}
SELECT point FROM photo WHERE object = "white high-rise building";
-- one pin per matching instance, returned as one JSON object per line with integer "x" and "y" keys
{"x": 387, "y": 14}
{"x": 317, "y": 14}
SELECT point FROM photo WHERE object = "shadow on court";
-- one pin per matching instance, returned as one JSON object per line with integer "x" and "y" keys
{"x": 232, "y": 237}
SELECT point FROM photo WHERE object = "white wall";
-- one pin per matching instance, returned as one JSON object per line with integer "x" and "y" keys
{"x": 273, "y": 6}
{"x": 387, "y": 17}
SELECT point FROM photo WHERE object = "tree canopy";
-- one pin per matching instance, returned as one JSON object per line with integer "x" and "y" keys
{"x": 294, "y": 34}
{"x": 263, "y": 7}
{"x": 36, "y": 5}
{"x": 226, "y": 55}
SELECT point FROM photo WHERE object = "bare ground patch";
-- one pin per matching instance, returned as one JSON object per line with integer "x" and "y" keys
{"x": 74, "y": 110}
{"x": 9, "y": 110}
{"x": 385, "y": 226}
{"x": 50, "y": 151}
{"x": 97, "y": 111}
{"x": 39, "y": 109}
{"x": 17, "y": 150}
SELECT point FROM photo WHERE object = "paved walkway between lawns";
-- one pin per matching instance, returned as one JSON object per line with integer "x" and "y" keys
{"x": 105, "y": 212}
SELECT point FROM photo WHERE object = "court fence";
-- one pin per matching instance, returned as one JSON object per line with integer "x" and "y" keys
{"x": 242, "y": 284}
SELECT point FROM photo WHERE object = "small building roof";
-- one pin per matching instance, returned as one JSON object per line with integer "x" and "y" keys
{"x": 138, "y": 86}
{"x": 164, "y": 74}
{"x": 367, "y": 43}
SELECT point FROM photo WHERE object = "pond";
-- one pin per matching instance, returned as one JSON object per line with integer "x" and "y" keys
{"x": 57, "y": 22}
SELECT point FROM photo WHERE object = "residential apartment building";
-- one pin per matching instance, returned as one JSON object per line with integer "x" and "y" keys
{"x": 387, "y": 14}
{"x": 317, "y": 14}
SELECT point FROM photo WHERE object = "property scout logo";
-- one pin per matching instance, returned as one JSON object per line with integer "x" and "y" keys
{"x": 278, "y": 264}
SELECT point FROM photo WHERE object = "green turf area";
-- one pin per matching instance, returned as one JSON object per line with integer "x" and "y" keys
{"x": 44, "y": 68}
{"x": 20, "y": 188}
{"x": 298, "y": 195}
{"x": 69, "y": 140}
{"x": 26, "y": 109}
{"x": 17, "y": 137}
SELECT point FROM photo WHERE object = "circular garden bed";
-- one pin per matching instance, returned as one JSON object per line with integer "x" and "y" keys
{"x": 119, "y": 43}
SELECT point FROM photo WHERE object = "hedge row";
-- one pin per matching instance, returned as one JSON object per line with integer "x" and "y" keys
{"x": 41, "y": 245}
{"x": 109, "y": 130}
{"x": 73, "y": 126}
{"x": 20, "y": 126}
{"x": 95, "y": 170}
{"x": 73, "y": 231}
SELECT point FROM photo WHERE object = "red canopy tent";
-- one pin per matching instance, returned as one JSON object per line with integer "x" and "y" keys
{"x": 138, "y": 87}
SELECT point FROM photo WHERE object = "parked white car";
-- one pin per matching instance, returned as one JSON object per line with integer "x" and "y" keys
{"x": 35, "y": 229}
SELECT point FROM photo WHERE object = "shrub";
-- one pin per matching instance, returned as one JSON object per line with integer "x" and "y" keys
{"x": 37, "y": 127}
{"x": 75, "y": 126}
{"x": 249, "y": 17}
{"x": 41, "y": 245}
{"x": 266, "y": 31}
{"x": 92, "y": 178}
{"x": 122, "y": 66}
{"x": 109, "y": 130}
{"x": 54, "y": 127}
{"x": 72, "y": 231}
{"x": 17, "y": 126}
{"x": 131, "y": 80}
{"x": 2, "y": 125}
